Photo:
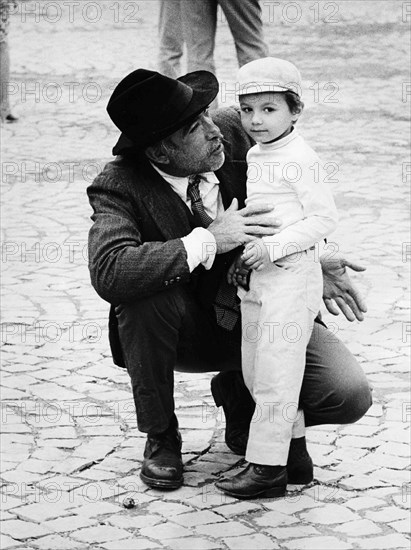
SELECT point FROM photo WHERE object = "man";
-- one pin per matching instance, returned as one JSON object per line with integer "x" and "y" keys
{"x": 159, "y": 250}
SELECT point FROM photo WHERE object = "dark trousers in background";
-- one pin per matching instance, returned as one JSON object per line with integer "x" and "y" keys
{"x": 170, "y": 329}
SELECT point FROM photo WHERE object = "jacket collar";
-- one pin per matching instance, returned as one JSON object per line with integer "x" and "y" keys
{"x": 165, "y": 207}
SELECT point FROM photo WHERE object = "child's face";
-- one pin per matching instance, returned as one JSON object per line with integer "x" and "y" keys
{"x": 266, "y": 116}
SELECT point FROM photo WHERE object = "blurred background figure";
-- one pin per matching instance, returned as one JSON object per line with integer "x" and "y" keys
{"x": 200, "y": 24}
{"x": 5, "y": 114}
{"x": 171, "y": 37}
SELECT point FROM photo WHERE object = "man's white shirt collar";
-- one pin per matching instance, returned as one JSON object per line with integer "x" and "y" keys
{"x": 179, "y": 184}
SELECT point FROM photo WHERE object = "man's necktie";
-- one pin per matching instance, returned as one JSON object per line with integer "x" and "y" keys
{"x": 197, "y": 206}
{"x": 226, "y": 303}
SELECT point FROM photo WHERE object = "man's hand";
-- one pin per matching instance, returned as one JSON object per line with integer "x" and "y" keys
{"x": 339, "y": 291}
{"x": 255, "y": 255}
{"x": 235, "y": 227}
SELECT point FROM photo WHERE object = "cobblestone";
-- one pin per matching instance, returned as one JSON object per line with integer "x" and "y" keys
{"x": 22, "y": 530}
{"x": 359, "y": 527}
{"x": 364, "y": 502}
{"x": 70, "y": 448}
{"x": 401, "y": 526}
{"x": 131, "y": 544}
{"x": 70, "y": 523}
{"x": 219, "y": 530}
{"x": 56, "y": 543}
{"x": 273, "y": 519}
{"x": 319, "y": 543}
{"x": 165, "y": 531}
{"x": 101, "y": 533}
{"x": 387, "y": 541}
{"x": 331, "y": 514}
{"x": 259, "y": 542}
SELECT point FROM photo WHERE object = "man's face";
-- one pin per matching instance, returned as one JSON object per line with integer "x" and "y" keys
{"x": 196, "y": 148}
{"x": 266, "y": 116}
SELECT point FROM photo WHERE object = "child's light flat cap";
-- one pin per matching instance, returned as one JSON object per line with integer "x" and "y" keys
{"x": 268, "y": 74}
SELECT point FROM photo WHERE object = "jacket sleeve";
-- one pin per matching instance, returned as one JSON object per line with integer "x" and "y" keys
{"x": 122, "y": 267}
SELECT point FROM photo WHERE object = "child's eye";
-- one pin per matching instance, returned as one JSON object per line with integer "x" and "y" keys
{"x": 269, "y": 110}
{"x": 246, "y": 109}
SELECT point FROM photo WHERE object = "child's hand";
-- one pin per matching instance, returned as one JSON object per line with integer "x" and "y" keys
{"x": 255, "y": 255}
{"x": 238, "y": 273}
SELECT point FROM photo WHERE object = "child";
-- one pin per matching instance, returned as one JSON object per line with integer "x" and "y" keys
{"x": 285, "y": 293}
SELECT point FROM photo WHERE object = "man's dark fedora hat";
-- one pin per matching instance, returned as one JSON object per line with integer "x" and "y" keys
{"x": 148, "y": 106}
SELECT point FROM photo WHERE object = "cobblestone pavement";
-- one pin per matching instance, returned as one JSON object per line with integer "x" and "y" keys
{"x": 70, "y": 448}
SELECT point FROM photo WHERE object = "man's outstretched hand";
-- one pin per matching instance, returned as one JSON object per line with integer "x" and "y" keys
{"x": 339, "y": 290}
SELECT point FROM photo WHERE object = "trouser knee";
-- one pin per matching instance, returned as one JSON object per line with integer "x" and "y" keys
{"x": 343, "y": 404}
{"x": 149, "y": 333}
{"x": 356, "y": 402}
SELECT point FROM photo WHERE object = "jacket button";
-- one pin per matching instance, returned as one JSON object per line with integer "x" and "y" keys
{"x": 165, "y": 283}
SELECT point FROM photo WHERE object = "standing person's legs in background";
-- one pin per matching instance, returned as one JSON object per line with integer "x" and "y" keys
{"x": 200, "y": 24}
{"x": 246, "y": 25}
{"x": 5, "y": 113}
{"x": 170, "y": 30}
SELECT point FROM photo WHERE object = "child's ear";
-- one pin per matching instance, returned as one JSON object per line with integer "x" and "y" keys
{"x": 296, "y": 116}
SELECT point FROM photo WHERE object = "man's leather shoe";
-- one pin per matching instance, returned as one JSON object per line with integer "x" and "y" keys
{"x": 256, "y": 481}
{"x": 230, "y": 392}
{"x": 162, "y": 466}
{"x": 300, "y": 468}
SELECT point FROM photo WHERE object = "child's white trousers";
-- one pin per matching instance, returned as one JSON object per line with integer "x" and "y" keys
{"x": 278, "y": 314}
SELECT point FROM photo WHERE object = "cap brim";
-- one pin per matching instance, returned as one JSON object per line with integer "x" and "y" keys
{"x": 205, "y": 88}
{"x": 249, "y": 89}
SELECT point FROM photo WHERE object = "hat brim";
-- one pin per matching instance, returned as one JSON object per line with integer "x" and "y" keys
{"x": 205, "y": 88}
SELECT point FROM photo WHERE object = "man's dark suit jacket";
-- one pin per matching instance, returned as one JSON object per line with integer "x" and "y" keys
{"x": 135, "y": 246}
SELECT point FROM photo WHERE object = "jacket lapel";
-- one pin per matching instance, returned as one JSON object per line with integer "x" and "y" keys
{"x": 166, "y": 209}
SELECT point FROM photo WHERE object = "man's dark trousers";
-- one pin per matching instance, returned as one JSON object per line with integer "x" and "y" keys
{"x": 171, "y": 329}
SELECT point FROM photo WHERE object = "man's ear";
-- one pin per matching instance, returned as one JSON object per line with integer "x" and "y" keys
{"x": 158, "y": 154}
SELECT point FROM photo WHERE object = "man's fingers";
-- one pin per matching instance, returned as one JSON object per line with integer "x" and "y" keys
{"x": 352, "y": 303}
{"x": 261, "y": 221}
{"x": 349, "y": 315}
{"x": 253, "y": 209}
{"x": 329, "y": 304}
{"x": 354, "y": 267}
{"x": 359, "y": 300}
{"x": 261, "y": 231}
{"x": 233, "y": 205}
